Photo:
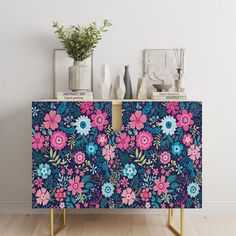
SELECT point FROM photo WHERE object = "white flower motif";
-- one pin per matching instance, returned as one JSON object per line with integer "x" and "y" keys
{"x": 168, "y": 124}
{"x": 83, "y": 125}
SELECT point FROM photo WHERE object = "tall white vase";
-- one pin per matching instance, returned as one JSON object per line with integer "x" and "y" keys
{"x": 79, "y": 74}
{"x": 105, "y": 83}
{"x": 119, "y": 88}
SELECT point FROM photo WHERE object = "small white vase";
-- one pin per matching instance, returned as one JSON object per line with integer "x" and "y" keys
{"x": 105, "y": 83}
{"x": 119, "y": 88}
{"x": 142, "y": 89}
{"x": 79, "y": 74}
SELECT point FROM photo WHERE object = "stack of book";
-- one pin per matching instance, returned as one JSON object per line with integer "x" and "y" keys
{"x": 74, "y": 96}
{"x": 169, "y": 96}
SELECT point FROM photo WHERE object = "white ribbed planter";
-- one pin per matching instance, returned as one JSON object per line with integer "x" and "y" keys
{"x": 79, "y": 75}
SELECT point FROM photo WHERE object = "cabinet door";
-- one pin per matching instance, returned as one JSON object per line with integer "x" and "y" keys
{"x": 159, "y": 155}
{"x": 72, "y": 155}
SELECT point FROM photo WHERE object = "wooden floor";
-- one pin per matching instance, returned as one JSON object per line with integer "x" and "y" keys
{"x": 118, "y": 225}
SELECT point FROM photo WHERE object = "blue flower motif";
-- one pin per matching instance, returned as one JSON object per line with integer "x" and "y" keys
{"x": 107, "y": 189}
{"x": 193, "y": 189}
{"x": 93, "y": 169}
{"x": 83, "y": 125}
{"x": 91, "y": 148}
{"x": 177, "y": 148}
{"x": 168, "y": 125}
{"x": 44, "y": 170}
{"x": 130, "y": 171}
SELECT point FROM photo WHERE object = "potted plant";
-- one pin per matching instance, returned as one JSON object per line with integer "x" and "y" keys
{"x": 79, "y": 43}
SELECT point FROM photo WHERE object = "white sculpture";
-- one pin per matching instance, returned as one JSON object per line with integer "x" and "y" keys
{"x": 119, "y": 88}
{"x": 142, "y": 89}
{"x": 105, "y": 83}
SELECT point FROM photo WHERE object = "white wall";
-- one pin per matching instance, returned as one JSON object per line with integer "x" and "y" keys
{"x": 205, "y": 27}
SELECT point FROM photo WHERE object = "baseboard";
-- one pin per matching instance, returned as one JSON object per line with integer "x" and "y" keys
{"x": 209, "y": 206}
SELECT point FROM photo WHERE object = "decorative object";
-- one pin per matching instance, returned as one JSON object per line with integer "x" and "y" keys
{"x": 61, "y": 62}
{"x": 105, "y": 83}
{"x": 179, "y": 59}
{"x": 162, "y": 87}
{"x": 119, "y": 88}
{"x": 86, "y": 142}
{"x": 160, "y": 66}
{"x": 78, "y": 75}
{"x": 127, "y": 81}
{"x": 79, "y": 43}
{"x": 142, "y": 88}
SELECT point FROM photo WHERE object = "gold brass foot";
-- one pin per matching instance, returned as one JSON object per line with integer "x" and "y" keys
{"x": 171, "y": 220}
{"x": 62, "y": 226}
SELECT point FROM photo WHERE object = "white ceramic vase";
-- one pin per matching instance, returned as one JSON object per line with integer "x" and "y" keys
{"x": 105, "y": 83}
{"x": 142, "y": 89}
{"x": 119, "y": 88}
{"x": 79, "y": 74}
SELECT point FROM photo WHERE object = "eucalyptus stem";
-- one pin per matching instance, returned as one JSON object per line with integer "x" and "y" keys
{"x": 80, "y": 41}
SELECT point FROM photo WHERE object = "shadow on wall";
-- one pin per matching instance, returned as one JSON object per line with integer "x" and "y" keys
{"x": 15, "y": 156}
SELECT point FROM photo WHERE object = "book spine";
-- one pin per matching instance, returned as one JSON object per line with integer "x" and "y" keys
{"x": 169, "y": 97}
{"x": 169, "y": 94}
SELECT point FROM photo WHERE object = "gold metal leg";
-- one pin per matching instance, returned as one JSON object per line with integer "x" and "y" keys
{"x": 62, "y": 226}
{"x": 171, "y": 220}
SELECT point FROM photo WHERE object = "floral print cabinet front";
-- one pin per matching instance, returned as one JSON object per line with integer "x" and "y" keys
{"x": 78, "y": 161}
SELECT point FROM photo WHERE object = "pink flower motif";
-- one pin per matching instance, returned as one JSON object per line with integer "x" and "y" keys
{"x": 161, "y": 185}
{"x": 39, "y": 182}
{"x": 124, "y": 181}
{"x": 163, "y": 205}
{"x": 46, "y": 144}
{"x": 165, "y": 157}
{"x": 148, "y": 171}
{"x": 145, "y": 195}
{"x": 99, "y": 119}
{"x": 187, "y": 140}
{"x": 144, "y": 140}
{"x": 62, "y": 205}
{"x": 86, "y": 107}
{"x": 108, "y": 152}
{"x": 37, "y": 141}
{"x": 147, "y": 204}
{"x": 194, "y": 152}
{"x": 36, "y": 127}
{"x": 60, "y": 195}
{"x": 77, "y": 206}
{"x": 79, "y": 157}
{"x": 128, "y": 196}
{"x": 123, "y": 141}
{"x": 102, "y": 140}
{"x": 185, "y": 120}
{"x": 172, "y": 107}
{"x": 42, "y": 196}
{"x": 52, "y": 120}
{"x": 62, "y": 171}
{"x": 137, "y": 120}
{"x": 155, "y": 171}
{"x": 70, "y": 171}
{"x": 75, "y": 185}
{"x": 118, "y": 190}
{"x": 58, "y": 140}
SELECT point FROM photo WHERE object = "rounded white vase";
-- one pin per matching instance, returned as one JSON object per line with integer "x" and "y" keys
{"x": 78, "y": 76}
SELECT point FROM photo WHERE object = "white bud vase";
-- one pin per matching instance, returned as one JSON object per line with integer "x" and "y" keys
{"x": 120, "y": 88}
{"x": 105, "y": 83}
{"x": 142, "y": 89}
{"x": 78, "y": 76}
